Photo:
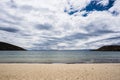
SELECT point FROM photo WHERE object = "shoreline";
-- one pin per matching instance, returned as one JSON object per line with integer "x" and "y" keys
{"x": 55, "y": 63}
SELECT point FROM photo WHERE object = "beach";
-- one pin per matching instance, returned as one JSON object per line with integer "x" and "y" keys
{"x": 26, "y": 71}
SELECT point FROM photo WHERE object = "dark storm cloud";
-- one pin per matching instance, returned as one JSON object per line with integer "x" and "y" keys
{"x": 8, "y": 29}
{"x": 45, "y": 26}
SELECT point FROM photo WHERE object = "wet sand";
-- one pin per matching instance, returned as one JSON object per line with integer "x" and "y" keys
{"x": 60, "y": 71}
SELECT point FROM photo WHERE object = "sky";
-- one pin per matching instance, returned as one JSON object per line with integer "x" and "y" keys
{"x": 60, "y": 24}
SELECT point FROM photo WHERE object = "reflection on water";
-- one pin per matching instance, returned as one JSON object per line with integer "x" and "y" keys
{"x": 59, "y": 57}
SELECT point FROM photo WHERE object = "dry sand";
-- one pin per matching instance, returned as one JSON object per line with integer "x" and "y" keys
{"x": 59, "y": 71}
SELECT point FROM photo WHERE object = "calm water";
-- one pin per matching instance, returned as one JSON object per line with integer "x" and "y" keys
{"x": 59, "y": 57}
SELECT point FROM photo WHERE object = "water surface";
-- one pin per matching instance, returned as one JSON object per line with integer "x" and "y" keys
{"x": 74, "y": 56}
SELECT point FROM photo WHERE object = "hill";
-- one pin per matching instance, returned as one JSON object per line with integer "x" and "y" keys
{"x": 109, "y": 48}
{"x": 6, "y": 46}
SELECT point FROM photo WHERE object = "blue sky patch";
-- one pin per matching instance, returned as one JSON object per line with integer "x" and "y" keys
{"x": 92, "y": 6}
{"x": 98, "y": 7}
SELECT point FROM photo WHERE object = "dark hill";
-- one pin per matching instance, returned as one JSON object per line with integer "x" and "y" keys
{"x": 6, "y": 46}
{"x": 109, "y": 48}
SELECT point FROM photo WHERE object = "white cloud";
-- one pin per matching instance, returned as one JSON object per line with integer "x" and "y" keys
{"x": 43, "y": 24}
{"x": 116, "y": 7}
{"x": 103, "y": 2}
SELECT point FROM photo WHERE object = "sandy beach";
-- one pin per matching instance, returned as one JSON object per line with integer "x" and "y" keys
{"x": 59, "y": 71}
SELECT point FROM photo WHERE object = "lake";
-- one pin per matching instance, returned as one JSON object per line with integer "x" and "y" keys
{"x": 66, "y": 56}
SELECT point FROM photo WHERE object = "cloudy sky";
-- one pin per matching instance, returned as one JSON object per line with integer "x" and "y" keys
{"x": 60, "y": 24}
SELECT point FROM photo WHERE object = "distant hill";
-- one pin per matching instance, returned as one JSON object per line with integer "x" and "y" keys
{"x": 109, "y": 48}
{"x": 6, "y": 46}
